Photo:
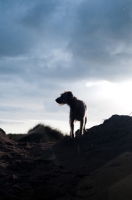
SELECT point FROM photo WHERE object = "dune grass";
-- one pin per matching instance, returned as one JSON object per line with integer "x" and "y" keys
{"x": 39, "y": 133}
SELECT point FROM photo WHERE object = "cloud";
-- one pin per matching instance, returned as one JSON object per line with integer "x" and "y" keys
{"x": 39, "y": 14}
{"x": 10, "y": 122}
{"x": 101, "y": 38}
{"x": 94, "y": 36}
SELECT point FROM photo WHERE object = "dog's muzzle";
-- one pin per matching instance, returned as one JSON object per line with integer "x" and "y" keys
{"x": 57, "y": 100}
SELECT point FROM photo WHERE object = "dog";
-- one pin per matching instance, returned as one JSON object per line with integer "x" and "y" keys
{"x": 78, "y": 111}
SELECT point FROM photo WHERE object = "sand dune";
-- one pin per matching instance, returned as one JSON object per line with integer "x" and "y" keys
{"x": 97, "y": 165}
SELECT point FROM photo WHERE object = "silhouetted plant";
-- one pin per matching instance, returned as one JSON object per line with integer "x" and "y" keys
{"x": 39, "y": 133}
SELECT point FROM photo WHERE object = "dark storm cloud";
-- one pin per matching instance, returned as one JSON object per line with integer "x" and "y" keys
{"x": 102, "y": 37}
{"x": 39, "y": 14}
{"x": 97, "y": 35}
{"x": 14, "y": 39}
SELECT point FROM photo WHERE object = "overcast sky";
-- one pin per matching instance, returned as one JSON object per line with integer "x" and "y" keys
{"x": 49, "y": 46}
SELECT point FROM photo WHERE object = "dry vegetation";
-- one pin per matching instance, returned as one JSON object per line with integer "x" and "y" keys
{"x": 39, "y": 133}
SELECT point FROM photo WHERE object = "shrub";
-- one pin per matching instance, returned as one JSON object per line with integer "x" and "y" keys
{"x": 42, "y": 133}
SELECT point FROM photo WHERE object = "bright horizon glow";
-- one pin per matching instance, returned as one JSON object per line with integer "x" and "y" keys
{"x": 119, "y": 94}
{"x": 114, "y": 91}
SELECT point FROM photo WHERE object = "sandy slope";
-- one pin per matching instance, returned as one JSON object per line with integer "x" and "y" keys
{"x": 97, "y": 165}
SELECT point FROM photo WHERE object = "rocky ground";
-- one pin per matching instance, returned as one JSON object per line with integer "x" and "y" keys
{"x": 96, "y": 166}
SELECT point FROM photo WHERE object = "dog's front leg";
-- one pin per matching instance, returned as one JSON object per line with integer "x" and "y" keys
{"x": 72, "y": 128}
{"x": 85, "y": 121}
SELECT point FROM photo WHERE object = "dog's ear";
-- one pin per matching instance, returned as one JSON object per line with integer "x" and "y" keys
{"x": 70, "y": 95}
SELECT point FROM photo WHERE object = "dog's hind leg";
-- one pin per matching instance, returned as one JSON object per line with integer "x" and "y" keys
{"x": 82, "y": 126}
{"x": 84, "y": 130}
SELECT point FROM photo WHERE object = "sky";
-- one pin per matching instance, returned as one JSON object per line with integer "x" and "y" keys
{"x": 51, "y": 46}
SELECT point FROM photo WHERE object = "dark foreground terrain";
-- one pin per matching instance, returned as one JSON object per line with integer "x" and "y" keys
{"x": 96, "y": 166}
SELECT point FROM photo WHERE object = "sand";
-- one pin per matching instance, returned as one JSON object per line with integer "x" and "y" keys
{"x": 96, "y": 166}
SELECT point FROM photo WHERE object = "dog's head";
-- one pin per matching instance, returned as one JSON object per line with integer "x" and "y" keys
{"x": 64, "y": 98}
